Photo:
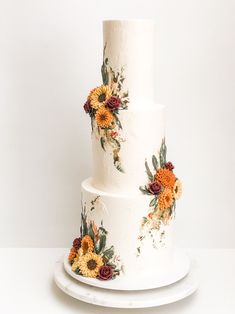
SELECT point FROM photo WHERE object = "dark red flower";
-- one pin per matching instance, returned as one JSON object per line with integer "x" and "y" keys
{"x": 77, "y": 243}
{"x": 113, "y": 103}
{"x": 169, "y": 166}
{"x": 155, "y": 187}
{"x": 87, "y": 106}
{"x": 105, "y": 272}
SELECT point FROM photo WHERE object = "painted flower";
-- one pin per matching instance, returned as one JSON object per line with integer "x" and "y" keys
{"x": 99, "y": 95}
{"x": 113, "y": 103}
{"x": 72, "y": 255}
{"x": 77, "y": 243}
{"x": 155, "y": 187}
{"x": 177, "y": 189}
{"x": 104, "y": 117}
{"x": 114, "y": 134}
{"x": 169, "y": 166}
{"x": 87, "y": 244}
{"x": 89, "y": 264}
{"x": 87, "y": 106}
{"x": 106, "y": 272}
{"x": 166, "y": 178}
{"x": 150, "y": 215}
{"x": 165, "y": 199}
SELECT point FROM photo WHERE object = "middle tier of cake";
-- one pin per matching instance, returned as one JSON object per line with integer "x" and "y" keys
{"x": 139, "y": 137}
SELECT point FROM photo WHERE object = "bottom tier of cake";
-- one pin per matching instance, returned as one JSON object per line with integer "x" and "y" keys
{"x": 125, "y": 234}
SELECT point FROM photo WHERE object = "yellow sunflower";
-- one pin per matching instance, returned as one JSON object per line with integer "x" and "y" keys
{"x": 75, "y": 265}
{"x": 177, "y": 189}
{"x": 87, "y": 244}
{"x": 104, "y": 117}
{"x": 165, "y": 199}
{"x": 89, "y": 264}
{"x": 99, "y": 95}
{"x": 166, "y": 178}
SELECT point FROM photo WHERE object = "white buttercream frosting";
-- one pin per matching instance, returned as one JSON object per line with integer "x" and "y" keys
{"x": 142, "y": 134}
{"x": 130, "y": 45}
{"x": 121, "y": 216}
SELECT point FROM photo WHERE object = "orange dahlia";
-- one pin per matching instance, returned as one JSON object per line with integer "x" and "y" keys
{"x": 72, "y": 255}
{"x": 165, "y": 199}
{"x": 104, "y": 117}
{"x": 87, "y": 244}
{"x": 166, "y": 178}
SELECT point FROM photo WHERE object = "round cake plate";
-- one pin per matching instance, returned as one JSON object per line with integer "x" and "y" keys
{"x": 125, "y": 299}
{"x": 178, "y": 270}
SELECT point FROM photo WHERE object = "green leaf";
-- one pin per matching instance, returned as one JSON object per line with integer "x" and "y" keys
{"x": 102, "y": 243}
{"x": 144, "y": 190}
{"x": 149, "y": 173}
{"x": 91, "y": 232}
{"x": 162, "y": 154}
{"x": 153, "y": 202}
{"x": 155, "y": 162}
{"x": 116, "y": 142}
{"x": 118, "y": 123}
{"x": 103, "y": 230}
{"x": 102, "y": 142}
{"x": 108, "y": 254}
{"x": 118, "y": 167}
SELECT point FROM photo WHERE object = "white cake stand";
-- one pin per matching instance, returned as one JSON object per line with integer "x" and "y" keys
{"x": 179, "y": 269}
{"x": 125, "y": 299}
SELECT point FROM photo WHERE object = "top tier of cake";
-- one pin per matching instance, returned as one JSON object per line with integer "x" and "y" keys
{"x": 128, "y": 127}
{"x": 129, "y": 45}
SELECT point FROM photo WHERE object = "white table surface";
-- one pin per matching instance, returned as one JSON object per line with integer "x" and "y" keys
{"x": 26, "y": 285}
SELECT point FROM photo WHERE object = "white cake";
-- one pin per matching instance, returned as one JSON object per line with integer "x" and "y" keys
{"x": 128, "y": 204}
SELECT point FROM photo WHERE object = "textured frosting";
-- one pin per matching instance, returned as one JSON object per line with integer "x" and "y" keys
{"x": 111, "y": 198}
{"x": 142, "y": 134}
{"x": 130, "y": 45}
{"x": 122, "y": 216}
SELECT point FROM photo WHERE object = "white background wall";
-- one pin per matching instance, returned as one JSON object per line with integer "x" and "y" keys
{"x": 50, "y": 56}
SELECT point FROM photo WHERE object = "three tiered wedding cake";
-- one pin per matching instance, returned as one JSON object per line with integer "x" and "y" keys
{"x": 128, "y": 205}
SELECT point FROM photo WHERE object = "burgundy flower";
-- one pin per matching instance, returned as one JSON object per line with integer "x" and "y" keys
{"x": 77, "y": 243}
{"x": 155, "y": 187}
{"x": 87, "y": 106}
{"x": 105, "y": 273}
{"x": 169, "y": 166}
{"x": 113, "y": 103}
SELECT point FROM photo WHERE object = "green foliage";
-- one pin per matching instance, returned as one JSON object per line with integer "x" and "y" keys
{"x": 145, "y": 190}
{"x": 155, "y": 162}
{"x": 162, "y": 154}
{"x": 153, "y": 202}
{"x": 102, "y": 243}
{"x": 91, "y": 232}
{"x": 102, "y": 142}
{"x": 108, "y": 253}
{"x": 149, "y": 173}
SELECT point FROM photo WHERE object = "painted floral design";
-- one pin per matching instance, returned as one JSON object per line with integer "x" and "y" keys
{"x": 89, "y": 255}
{"x": 103, "y": 106}
{"x": 165, "y": 188}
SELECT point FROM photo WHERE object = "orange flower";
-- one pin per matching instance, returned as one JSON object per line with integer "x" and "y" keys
{"x": 165, "y": 199}
{"x": 72, "y": 255}
{"x": 166, "y": 178}
{"x": 87, "y": 244}
{"x": 104, "y": 117}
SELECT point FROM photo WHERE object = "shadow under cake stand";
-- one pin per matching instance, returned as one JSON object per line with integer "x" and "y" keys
{"x": 179, "y": 283}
